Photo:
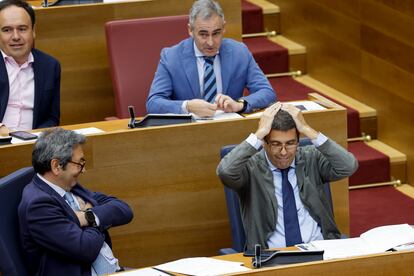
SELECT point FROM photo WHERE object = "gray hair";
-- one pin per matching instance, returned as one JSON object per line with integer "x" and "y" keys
{"x": 55, "y": 143}
{"x": 204, "y": 9}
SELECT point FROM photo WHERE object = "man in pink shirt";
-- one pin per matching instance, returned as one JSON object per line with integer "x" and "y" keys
{"x": 29, "y": 78}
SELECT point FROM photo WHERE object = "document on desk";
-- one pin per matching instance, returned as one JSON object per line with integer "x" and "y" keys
{"x": 143, "y": 272}
{"x": 218, "y": 116}
{"x": 376, "y": 240}
{"x": 302, "y": 105}
{"x": 202, "y": 266}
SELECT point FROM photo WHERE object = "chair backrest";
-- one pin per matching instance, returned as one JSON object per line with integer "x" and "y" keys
{"x": 233, "y": 204}
{"x": 134, "y": 48}
{"x": 11, "y": 253}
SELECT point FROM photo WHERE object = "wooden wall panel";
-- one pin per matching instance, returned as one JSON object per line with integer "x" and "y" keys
{"x": 75, "y": 36}
{"x": 364, "y": 48}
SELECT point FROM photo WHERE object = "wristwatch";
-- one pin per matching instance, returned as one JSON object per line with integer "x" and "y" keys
{"x": 243, "y": 101}
{"x": 90, "y": 218}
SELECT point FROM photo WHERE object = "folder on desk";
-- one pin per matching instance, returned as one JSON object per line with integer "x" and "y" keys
{"x": 288, "y": 257}
{"x": 163, "y": 119}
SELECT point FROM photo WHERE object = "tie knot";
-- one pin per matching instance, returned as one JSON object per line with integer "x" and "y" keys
{"x": 285, "y": 171}
{"x": 209, "y": 60}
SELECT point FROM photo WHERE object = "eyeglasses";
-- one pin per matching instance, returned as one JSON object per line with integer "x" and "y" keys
{"x": 277, "y": 147}
{"x": 82, "y": 164}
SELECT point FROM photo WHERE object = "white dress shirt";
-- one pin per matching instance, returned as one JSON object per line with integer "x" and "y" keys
{"x": 200, "y": 68}
{"x": 309, "y": 228}
{"x": 19, "y": 110}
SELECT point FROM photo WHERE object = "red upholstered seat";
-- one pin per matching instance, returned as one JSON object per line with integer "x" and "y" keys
{"x": 134, "y": 48}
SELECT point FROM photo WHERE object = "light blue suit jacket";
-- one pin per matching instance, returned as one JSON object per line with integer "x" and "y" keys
{"x": 176, "y": 78}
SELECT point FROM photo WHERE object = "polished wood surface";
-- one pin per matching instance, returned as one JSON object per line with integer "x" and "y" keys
{"x": 390, "y": 263}
{"x": 365, "y": 49}
{"x": 168, "y": 176}
{"x": 75, "y": 36}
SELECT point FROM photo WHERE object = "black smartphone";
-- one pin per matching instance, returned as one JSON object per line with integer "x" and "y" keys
{"x": 23, "y": 135}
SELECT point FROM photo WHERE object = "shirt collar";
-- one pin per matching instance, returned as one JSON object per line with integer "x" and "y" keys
{"x": 273, "y": 168}
{"x": 30, "y": 58}
{"x": 55, "y": 187}
{"x": 198, "y": 53}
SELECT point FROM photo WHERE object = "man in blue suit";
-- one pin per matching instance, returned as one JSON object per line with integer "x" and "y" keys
{"x": 29, "y": 78}
{"x": 63, "y": 225}
{"x": 205, "y": 72}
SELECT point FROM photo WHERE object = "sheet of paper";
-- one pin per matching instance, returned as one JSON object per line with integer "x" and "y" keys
{"x": 342, "y": 248}
{"x": 219, "y": 115}
{"x": 143, "y": 272}
{"x": 308, "y": 105}
{"x": 376, "y": 240}
{"x": 386, "y": 237}
{"x": 202, "y": 266}
{"x": 304, "y": 105}
{"x": 84, "y": 131}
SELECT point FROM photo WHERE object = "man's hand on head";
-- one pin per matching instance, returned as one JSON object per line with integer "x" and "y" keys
{"x": 201, "y": 108}
{"x": 300, "y": 122}
{"x": 266, "y": 119}
{"x": 227, "y": 104}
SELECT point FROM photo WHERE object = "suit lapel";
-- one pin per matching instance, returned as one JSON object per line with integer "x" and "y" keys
{"x": 38, "y": 79}
{"x": 47, "y": 189}
{"x": 190, "y": 66}
{"x": 4, "y": 88}
{"x": 226, "y": 61}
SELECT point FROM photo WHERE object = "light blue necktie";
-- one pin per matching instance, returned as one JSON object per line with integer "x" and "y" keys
{"x": 105, "y": 263}
{"x": 210, "y": 86}
{"x": 290, "y": 214}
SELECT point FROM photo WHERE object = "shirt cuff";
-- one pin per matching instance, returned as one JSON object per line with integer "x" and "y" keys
{"x": 254, "y": 141}
{"x": 320, "y": 140}
{"x": 184, "y": 107}
{"x": 97, "y": 220}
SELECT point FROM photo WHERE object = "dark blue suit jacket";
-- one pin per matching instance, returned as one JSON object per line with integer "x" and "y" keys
{"x": 46, "y": 110}
{"x": 176, "y": 78}
{"x": 52, "y": 239}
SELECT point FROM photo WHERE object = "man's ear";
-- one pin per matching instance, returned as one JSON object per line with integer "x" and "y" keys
{"x": 55, "y": 166}
{"x": 190, "y": 30}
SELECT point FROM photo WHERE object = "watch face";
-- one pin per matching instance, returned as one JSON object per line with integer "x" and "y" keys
{"x": 90, "y": 217}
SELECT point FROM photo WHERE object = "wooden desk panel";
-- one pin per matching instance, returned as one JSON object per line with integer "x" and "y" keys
{"x": 167, "y": 175}
{"x": 390, "y": 263}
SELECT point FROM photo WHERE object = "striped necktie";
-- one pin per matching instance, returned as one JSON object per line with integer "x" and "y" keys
{"x": 290, "y": 214}
{"x": 210, "y": 87}
{"x": 105, "y": 263}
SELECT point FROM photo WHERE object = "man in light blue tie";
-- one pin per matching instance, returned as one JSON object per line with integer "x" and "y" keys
{"x": 205, "y": 72}
{"x": 63, "y": 225}
{"x": 281, "y": 187}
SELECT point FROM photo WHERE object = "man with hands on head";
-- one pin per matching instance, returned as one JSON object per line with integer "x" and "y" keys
{"x": 281, "y": 186}
{"x": 205, "y": 72}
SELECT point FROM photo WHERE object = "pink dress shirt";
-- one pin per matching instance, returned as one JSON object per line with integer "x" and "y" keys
{"x": 19, "y": 111}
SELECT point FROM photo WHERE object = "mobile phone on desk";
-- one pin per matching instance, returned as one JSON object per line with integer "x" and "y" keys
{"x": 23, "y": 135}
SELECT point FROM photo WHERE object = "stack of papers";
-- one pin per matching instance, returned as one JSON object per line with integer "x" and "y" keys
{"x": 202, "y": 266}
{"x": 376, "y": 240}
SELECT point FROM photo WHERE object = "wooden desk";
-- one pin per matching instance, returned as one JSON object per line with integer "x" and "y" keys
{"x": 168, "y": 176}
{"x": 389, "y": 263}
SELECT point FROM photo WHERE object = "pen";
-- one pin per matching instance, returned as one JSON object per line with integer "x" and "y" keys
{"x": 163, "y": 271}
{"x": 205, "y": 119}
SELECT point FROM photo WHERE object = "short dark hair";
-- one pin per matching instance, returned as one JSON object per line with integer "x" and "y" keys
{"x": 55, "y": 143}
{"x": 283, "y": 121}
{"x": 21, "y": 4}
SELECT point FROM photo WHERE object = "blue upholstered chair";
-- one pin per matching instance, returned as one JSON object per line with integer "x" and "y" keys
{"x": 233, "y": 208}
{"x": 11, "y": 254}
